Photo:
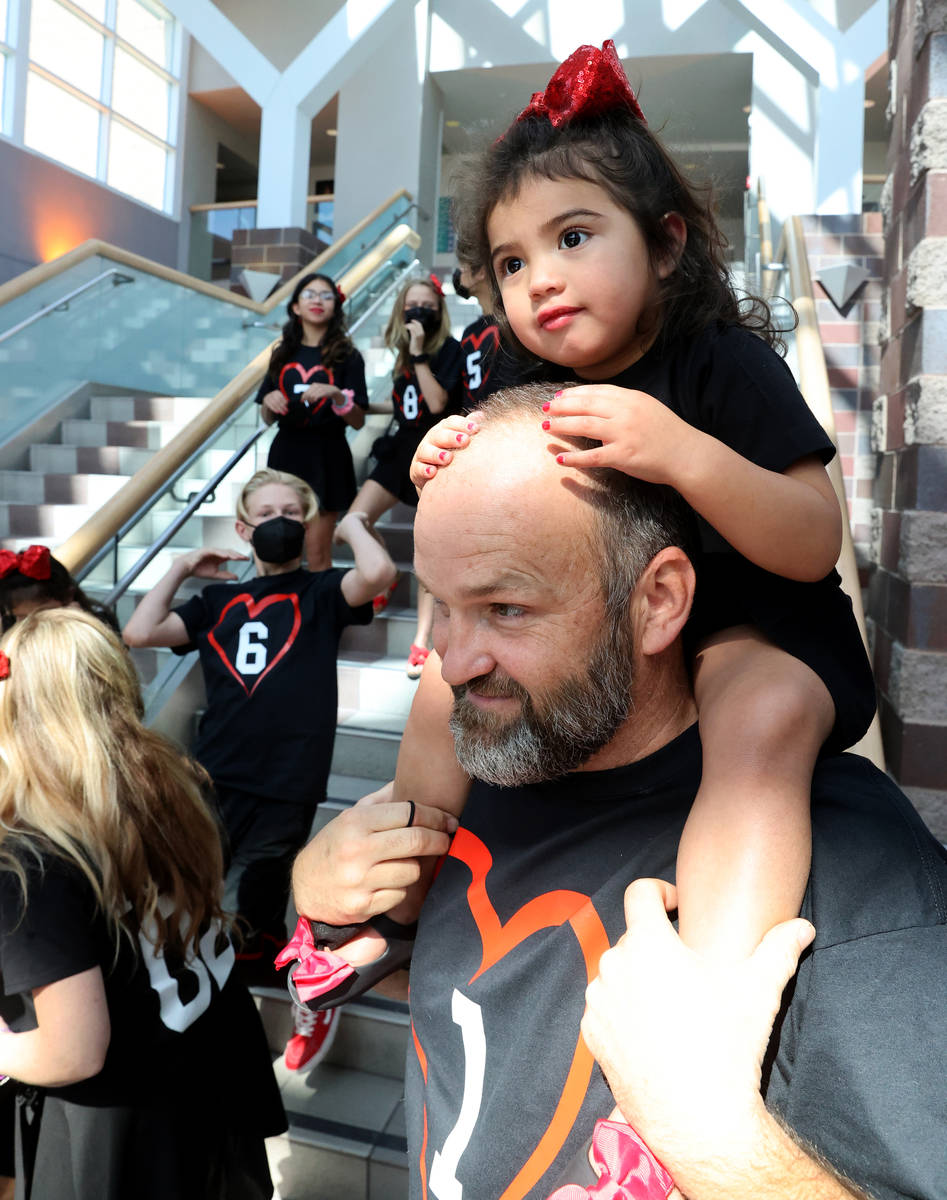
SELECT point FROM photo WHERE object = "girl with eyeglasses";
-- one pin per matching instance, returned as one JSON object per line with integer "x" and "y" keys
{"x": 314, "y": 389}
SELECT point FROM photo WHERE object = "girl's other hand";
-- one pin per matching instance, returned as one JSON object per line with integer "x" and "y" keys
{"x": 438, "y": 445}
{"x": 208, "y": 563}
{"x": 639, "y": 435}
{"x": 276, "y": 402}
{"x": 318, "y": 391}
{"x": 415, "y": 332}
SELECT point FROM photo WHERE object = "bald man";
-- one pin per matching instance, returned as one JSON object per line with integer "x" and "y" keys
{"x": 561, "y": 597}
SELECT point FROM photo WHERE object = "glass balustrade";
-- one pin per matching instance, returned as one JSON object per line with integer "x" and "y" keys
{"x": 122, "y": 328}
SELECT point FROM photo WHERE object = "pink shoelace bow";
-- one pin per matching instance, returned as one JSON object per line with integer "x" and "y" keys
{"x": 319, "y": 971}
{"x": 627, "y": 1168}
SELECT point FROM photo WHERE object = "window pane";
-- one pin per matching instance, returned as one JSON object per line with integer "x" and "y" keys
{"x": 95, "y": 8}
{"x": 147, "y": 27}
{"x": 140, "y": 94}
{"x": 60, "y": 125}
{"x": 136, "y": 166}
{"x": 3, "y": 20}
{"x": 64, "y": 44}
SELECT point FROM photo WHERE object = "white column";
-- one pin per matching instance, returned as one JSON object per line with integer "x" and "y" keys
{"x": 283, "y": 174}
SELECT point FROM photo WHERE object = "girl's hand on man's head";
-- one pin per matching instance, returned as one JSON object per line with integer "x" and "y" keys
{"x": 639, "y": 435}
{"x": 439, "y": 444}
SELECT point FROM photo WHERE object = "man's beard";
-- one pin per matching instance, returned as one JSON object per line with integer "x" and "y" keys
{"x": 573, "y": 720}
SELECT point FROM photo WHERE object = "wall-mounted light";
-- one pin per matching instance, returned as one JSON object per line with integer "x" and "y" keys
{"x": 747, "y": 108}
{"x": 332, "y": 133}
{"x": 869, "y": 104}
{"x": 452, "y": 124}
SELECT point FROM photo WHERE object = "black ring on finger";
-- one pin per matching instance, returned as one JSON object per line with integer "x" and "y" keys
{"x": 410, "y": 821}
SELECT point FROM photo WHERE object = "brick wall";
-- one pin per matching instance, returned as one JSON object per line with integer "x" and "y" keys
{"x": 852, "y": 355}
{"x": 908, "y": 593}
{"x": 278, "y": 251}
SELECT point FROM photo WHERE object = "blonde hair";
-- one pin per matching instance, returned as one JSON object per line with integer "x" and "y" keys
{"x": 83, "y": 779}
{"x": 307, "y": 497}
{"x": 396, "y": 335}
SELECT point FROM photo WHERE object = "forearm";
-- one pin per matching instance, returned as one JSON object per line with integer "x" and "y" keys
{"x": 777, "y": 521}
{"x": 434, "y": 395}
{"x": 427, "y": 771}
{"x": 764, "y": 1163}
{"x": 71, "y": 1038}
{"x": 267, "y": 414}
{"x": 374, "y": 569}
{"x": 155, "y": 606}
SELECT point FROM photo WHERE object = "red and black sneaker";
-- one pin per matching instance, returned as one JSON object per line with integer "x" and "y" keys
{"x": 313, "y": 1035}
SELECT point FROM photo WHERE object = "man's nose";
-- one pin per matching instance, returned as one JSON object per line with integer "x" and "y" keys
{"x": 464, "y": 656}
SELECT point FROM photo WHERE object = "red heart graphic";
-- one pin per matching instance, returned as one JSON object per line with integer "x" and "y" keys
{"x": 542, "y": 912}
{"x": 254, "y": 608}
{"x": 305, "y": 376}
{"x": 490, "y": 335}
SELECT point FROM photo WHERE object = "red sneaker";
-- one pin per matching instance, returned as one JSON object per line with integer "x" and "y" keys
{"x": 313, "y": 1035}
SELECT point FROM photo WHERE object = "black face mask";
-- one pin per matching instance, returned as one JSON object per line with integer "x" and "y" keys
{"x": 459, "y": 288}
{"x": 278, "y": 540}
{"x": 428, "y": 318}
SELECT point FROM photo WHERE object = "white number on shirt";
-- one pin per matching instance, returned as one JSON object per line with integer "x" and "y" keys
{"x": 207, "y": 963}
{"x": 251, "y": 655}
{"x": 473, "y": 370}
{"x": 443, "y": 1181}
{"x": 409, "y": 402}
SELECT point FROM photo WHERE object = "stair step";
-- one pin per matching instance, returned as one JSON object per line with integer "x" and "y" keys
{"x": 346, "y": 1136}
{"x": 363, "y": 751}
{"x": 179, "y": 409}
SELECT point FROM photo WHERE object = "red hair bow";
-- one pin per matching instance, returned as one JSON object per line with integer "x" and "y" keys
{"x": 436, "y": 284}
{"x": 340, "y": 294}
{"x": 318, "y": 971}
{"x": 588, "y": 83}
{"x": 32, "y": 562}
{"x": 4, "y": 666}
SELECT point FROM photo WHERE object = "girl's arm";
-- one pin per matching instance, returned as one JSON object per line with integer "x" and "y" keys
{"x": 153, "y": 623}
{"x": 787, "y": 523}
{"x": 71, "y": 1037}
{"x": 373, "y": 570}
{"x": 435, "y": 396}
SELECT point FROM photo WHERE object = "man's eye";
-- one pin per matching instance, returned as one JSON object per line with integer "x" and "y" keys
{"x": 572, "y": 238}
{"x": 508, "y": 610}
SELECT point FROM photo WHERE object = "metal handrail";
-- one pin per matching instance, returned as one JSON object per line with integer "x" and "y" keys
{"x": 814, "y": 385}
{"x": 117, "y": 277}
{"x": 199, "y": 498}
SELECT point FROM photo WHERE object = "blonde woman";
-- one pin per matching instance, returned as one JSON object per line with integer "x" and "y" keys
{"x": 149, "y": 1069}
{"x": 426, "y": 387}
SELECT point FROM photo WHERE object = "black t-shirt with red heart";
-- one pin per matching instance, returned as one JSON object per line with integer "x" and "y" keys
{"x": 487, "y": 365}
{"x": 304, "y": 369}
{"x": 268, "y": 651}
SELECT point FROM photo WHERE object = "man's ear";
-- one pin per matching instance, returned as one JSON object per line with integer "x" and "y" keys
{"x": 662, "y": 599}
{"x": 676, "y": 229}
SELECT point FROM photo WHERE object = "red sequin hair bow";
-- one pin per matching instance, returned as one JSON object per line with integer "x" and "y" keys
{"x": 590, "y": 82}
{"x": 436, "y": 284}
{"x": 626, "y": 1168}
{"x": 4, "y": 666}
{"x": 32, "y": 562}
{"x": 340, "y": 294}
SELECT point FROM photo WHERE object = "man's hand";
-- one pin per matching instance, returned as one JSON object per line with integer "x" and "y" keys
{"x": 681, "y": 1040}
{"x": 639, "y": 435}
{"x": 364, "y": 861}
